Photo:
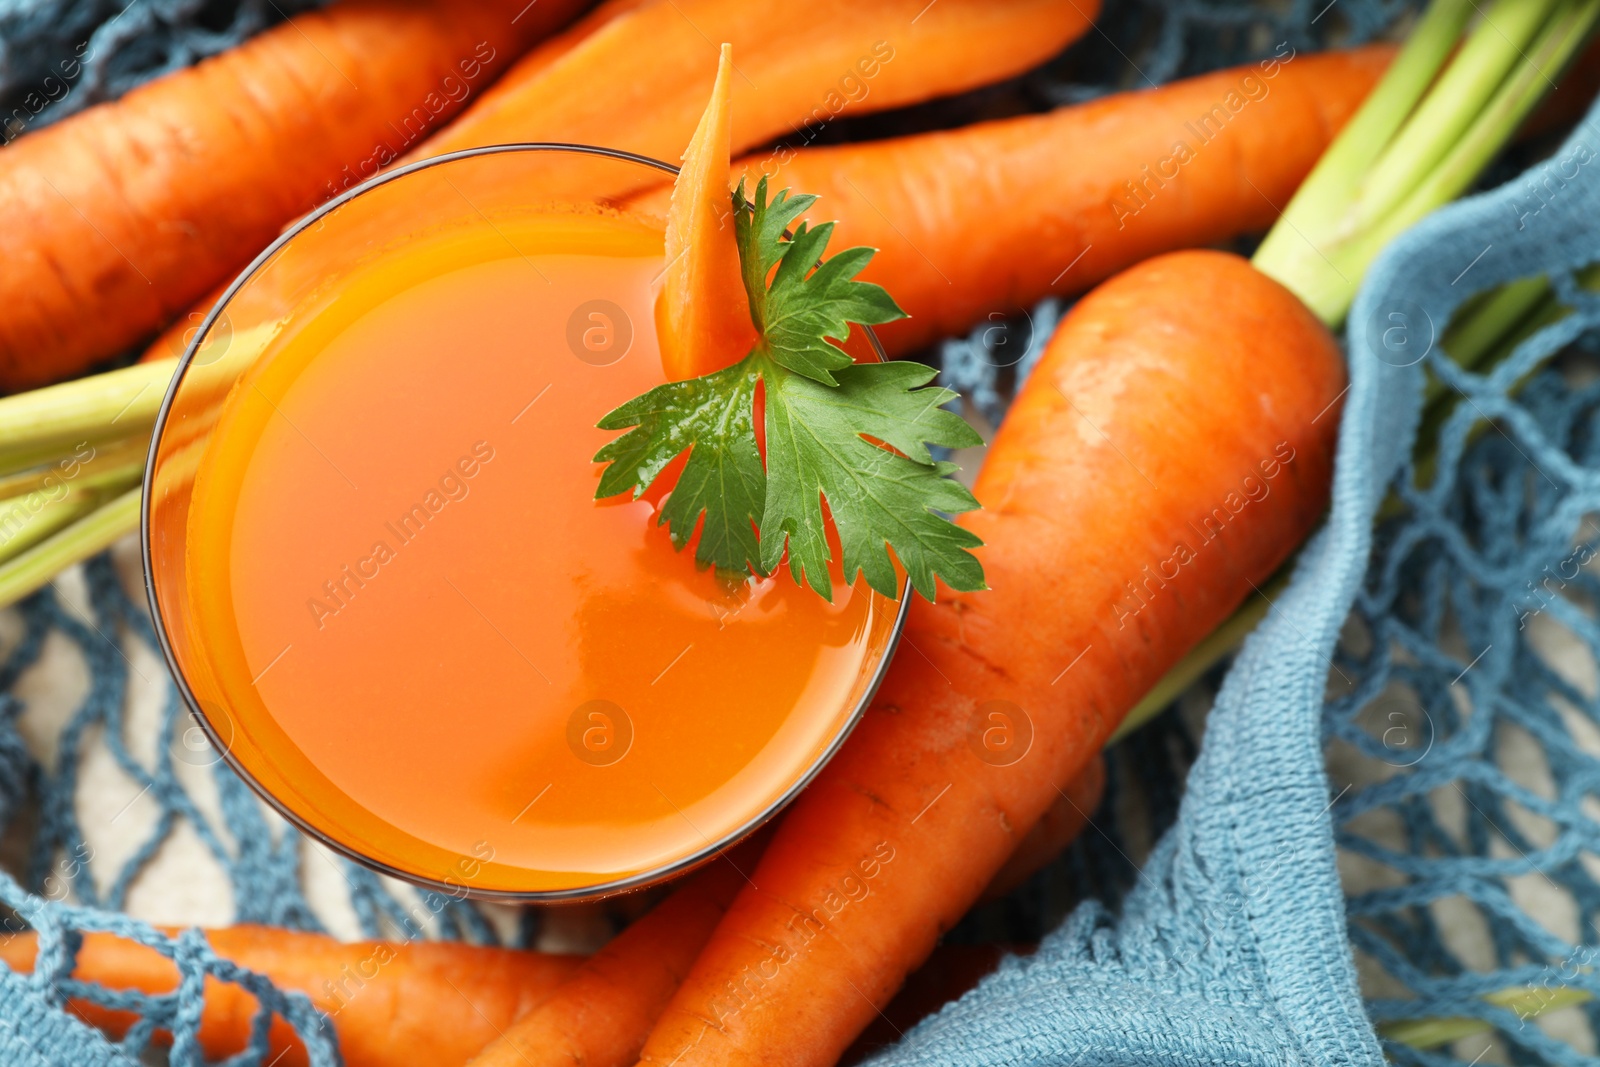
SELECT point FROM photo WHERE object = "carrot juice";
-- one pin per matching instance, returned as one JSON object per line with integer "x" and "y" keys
{"x": 430, "y": 644}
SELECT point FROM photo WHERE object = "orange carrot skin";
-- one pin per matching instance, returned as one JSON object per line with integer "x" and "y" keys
{"x": 419, "y": 1003}
{"x": 640, "y": 80}
{"x": 949, "y": 973}
{"x": 703, "y": 314}
{"x": 1058, "y": 827}
{"x": 599, "y": 1017}
{"x": 1189, "y": 390}
{"x": 635, "y": 75}
{"x": 173, "y": 340}
{"x": 987, "y": 220}
{"x": 128, "y": 212}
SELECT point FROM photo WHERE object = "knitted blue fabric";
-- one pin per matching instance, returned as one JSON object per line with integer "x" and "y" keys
{"x": 1404, "y": 656}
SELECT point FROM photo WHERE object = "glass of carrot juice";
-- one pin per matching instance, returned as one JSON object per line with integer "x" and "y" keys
{"x": 383, "y": 585}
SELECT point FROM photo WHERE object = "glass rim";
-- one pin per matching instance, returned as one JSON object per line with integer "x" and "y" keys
{"x": 447, "y": 887}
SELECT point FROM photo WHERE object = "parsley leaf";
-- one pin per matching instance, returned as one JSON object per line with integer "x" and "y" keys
{"x": 803, "y": 306}
{"x": 712, "y": 417}
{"x": 816, "y": 452}
{"x": 853, "y": 437}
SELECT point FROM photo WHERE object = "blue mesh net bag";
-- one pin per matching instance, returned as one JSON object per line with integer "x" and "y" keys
{"x": 1384, "y": 846}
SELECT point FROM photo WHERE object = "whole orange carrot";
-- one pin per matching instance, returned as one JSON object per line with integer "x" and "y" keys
{"x": 636, "y": 74}
{"x": 126, "y": 213}
{"x": 600, "y": 1015}
{"x": 988, "y": 219}
{"x": 413, "y": 1003}
{"x": 640, "y": 79}
{"x": 1161, "y": 461}
{"x": 1173, "y": 445}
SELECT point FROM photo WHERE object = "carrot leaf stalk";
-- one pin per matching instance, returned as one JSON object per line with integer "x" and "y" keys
{"x": 1434, "y": 122}
{"x": 855, "y": 435}
{"x": 85, "y": 535}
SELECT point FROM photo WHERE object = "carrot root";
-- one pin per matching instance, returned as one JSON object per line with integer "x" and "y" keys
{"x": 703, "y": 315}
{"x": 600, "y": 1016}
{"x": 421, "y": 1004}
{"x": 1173, "y": 446}
{"x": 980, "y": 223}
{"x": 136, "y": 208}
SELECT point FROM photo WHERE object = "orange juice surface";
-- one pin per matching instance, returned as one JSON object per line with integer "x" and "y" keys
{"x": 423, "y": 637}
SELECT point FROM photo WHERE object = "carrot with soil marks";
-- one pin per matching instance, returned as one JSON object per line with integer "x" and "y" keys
{"x": 994, "y": 217}
{"x": 639, "y": 80}
{"x": 130, "y": 211}
{"x": 1174, "y": 445}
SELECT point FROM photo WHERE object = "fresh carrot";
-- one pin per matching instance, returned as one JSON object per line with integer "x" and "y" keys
{"x": 600, "y": 1015}
{"x": 1158, "y": 462}
{"x": 391, "y": 1003}
{"x": 639, "y": 79}
{"x": 1171, "y": 449}
{"x": 1058, "y": 827}
{"x": 988, "y": 219}
{"x": 635, "y": 75}
{"x": 128, "y": 212}
{"x": 703, "y": 315}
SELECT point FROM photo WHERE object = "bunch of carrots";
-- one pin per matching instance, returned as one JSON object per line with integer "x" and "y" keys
{"x": 1181, "y": 377}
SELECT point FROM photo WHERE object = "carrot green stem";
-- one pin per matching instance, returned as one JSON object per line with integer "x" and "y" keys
{"x": 1482, "y": 340}
{"x": 33, "y": 569}
{"x": 1443, "y": 118}
{"x": 115, "y": 463}
{"x": 52, "y": 421}
{"x": 1400, "y": 158}
{"x": 1478, "y": 331}
{"x": 1524, "y": 1002}
{"x": 1460, "y": 167}
{"x": 26, "y": 520}
{"x": 1318, "y": 213}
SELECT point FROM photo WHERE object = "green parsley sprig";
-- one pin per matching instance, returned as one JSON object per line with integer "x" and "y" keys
{"x": 855, "y": 435}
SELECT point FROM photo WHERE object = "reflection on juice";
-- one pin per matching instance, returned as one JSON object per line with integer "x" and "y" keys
{"x": 425, "y": 638}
